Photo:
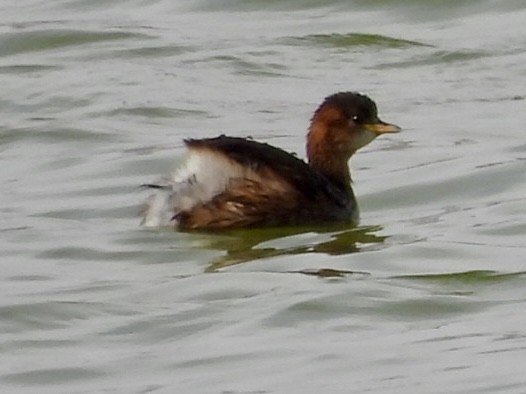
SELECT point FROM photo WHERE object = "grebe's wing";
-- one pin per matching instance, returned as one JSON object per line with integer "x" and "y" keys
{"x": 264, "y": 158}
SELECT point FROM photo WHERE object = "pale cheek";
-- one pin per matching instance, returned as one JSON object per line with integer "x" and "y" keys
{"x": 363, "y": 138}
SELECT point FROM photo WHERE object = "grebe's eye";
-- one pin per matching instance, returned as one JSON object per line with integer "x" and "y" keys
{"x": 355, "y": 118}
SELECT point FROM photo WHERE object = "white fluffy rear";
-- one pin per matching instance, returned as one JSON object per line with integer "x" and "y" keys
{"x": 204, "y": 175}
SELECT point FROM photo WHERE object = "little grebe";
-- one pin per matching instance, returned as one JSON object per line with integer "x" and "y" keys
{"x": 230, "y": 182}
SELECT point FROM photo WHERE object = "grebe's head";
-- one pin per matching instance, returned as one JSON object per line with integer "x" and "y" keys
{"x": 344, "y": 123}
{"x": 341, "y": 125}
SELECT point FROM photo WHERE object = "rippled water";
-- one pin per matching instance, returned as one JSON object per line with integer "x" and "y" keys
{"x": 426, "y": 295}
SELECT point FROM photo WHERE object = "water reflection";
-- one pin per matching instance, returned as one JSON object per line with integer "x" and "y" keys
{"x": 247, "y": 245}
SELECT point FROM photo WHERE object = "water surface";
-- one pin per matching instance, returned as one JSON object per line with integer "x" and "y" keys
{"x": 424, "y": 296}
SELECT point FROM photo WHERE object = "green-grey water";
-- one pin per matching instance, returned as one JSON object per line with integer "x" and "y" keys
{"x": 426, "y": 295}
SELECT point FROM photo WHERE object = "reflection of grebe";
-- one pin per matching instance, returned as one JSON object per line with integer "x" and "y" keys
{"x": 230, "y": 182}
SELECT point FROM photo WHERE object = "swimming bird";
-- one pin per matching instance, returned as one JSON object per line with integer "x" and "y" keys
{"x": 232, "y": 182}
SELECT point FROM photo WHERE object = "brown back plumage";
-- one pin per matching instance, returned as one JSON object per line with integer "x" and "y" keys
{"x": 286, "y": 190}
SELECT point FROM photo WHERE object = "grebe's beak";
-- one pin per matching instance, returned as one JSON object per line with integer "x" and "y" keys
{"x": 380, "y": 127}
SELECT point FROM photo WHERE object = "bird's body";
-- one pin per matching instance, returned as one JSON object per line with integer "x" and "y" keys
{"x": 230, "y": 182}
